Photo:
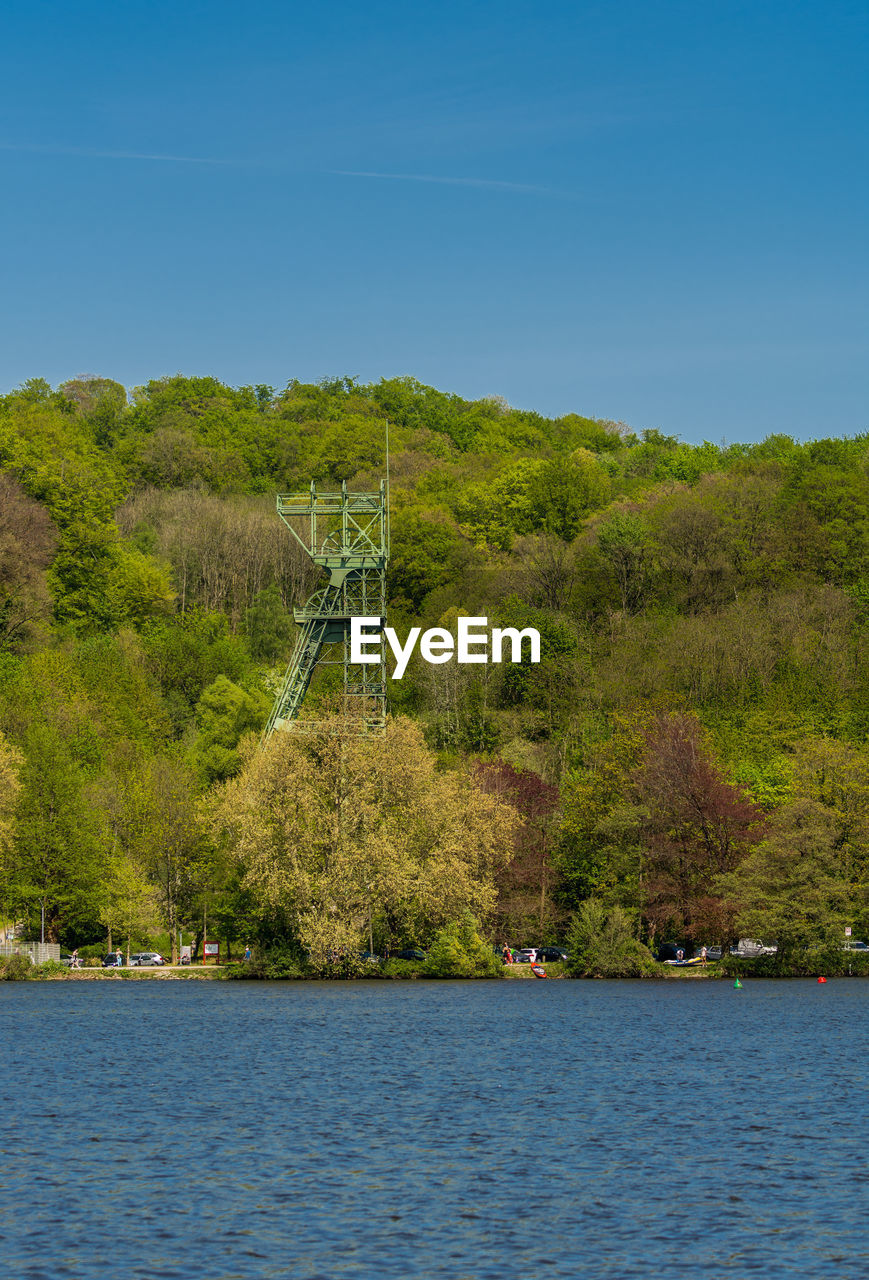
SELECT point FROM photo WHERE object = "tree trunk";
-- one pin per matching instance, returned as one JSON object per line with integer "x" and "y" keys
{"x": 542, "y": 887}
{"x": 171, "y": 915}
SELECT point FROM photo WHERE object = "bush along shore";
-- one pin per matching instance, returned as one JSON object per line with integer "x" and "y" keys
{"x": 22, "y": 969}
{"x": 282, "y": 966}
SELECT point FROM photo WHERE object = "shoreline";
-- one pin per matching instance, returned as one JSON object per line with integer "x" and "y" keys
{"x": 220, "y": 973}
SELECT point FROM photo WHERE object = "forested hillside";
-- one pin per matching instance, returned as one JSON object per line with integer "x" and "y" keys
{"x": 693, "y": 748}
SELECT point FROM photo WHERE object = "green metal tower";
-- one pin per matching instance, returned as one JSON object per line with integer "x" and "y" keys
{"x": 347, "y": 534}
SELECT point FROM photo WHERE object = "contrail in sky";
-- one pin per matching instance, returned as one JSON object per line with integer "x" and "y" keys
{"x": 90, "y": 153}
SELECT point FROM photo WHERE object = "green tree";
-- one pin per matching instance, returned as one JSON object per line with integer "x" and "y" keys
{"x": 59, "y": 864}
{"x": 601, "y": 944}
{"x": 268, "y": 625}
{"x": 565, "y": 491}
{"x": 458, "y": 951}
{"x": 224, "y": 713}
{"x": 625, "y": 543}
{"x": 792, "y": 890}
{"x": 426, "y": 554}
{"x": 130, "y": 903}
{"x": 138, "y": 586}
{"x": 495, "y": 513}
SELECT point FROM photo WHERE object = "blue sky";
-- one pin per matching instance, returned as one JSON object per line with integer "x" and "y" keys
{"x": 652, "y": 212}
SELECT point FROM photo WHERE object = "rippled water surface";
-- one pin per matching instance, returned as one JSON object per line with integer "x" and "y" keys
{"x": 462, "y": 1130}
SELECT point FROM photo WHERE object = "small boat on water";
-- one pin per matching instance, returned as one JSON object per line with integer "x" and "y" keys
{"x": 538, "y": 971}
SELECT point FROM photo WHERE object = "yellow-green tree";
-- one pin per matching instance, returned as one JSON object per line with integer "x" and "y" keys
{"x": 333, "y": 830}
{"x": 10, "y": 786}
{"x": 131, "y": 904}
{"x": 10, "y": 761}
{"x": 150, "y": 823}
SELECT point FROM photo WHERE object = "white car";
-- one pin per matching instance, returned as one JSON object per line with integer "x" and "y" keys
{"x": 145, "y": 958}
{"x": 750, "y": 948}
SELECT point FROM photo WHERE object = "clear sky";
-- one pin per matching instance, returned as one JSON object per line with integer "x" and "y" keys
{"x": 650, "y": 211}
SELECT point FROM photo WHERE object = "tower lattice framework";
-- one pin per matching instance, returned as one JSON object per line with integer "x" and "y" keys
{"x": 347, "y": 534}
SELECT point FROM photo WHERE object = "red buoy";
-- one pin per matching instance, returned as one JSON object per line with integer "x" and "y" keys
{"x": 822, "y": 979}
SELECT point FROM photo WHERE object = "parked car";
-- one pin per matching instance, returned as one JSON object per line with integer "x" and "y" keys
{"x": 409, "y": 953}
{"x": 713, "y": 953}
{"x": 146, "y": 958}
{"x": 112, "y": 962}
{"x": 853, "y": 944}
{"x": 369, "y": 957}
{"x": 750, "y": 949}
{"x": 551, "y": 954}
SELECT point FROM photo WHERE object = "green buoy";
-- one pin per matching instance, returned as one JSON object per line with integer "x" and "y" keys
{"x": 737, "y": 986}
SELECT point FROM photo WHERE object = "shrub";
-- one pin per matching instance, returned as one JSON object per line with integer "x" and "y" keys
{"x": 15, "y": 968}
{"x": 832, "y": 962}
{"x": 93, "y": 951}
{"x": 402, "y": 968}
{"x": 269, "y": 965}
{"x": 601, "y": 945}
{"x": 458, "y": 951}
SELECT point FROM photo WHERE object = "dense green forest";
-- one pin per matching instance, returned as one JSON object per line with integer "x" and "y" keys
{"x": 691, "y": 755}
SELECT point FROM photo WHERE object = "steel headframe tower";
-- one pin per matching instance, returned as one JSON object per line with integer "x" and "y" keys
{"x": 347, "y": 534}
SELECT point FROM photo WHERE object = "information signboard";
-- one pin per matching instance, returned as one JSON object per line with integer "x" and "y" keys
{"x": 211, "y": 953}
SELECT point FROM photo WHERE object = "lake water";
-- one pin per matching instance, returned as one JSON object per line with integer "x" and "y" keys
{"x": 465, "y": 1130}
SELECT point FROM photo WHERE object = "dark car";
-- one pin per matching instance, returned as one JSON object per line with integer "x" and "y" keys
{"x": 409, "y": 953}
{"x": 112, "y": 961}
{"x": 552, "y": 955}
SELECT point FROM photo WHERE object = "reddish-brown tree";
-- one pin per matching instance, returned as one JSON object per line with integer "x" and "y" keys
{"x": 524, "y": 903}
{"x": 697, "y": 826}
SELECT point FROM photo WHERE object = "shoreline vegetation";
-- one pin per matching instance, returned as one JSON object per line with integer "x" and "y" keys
{"x": 403, "y": 971}
{"x": 686, "y": 765}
